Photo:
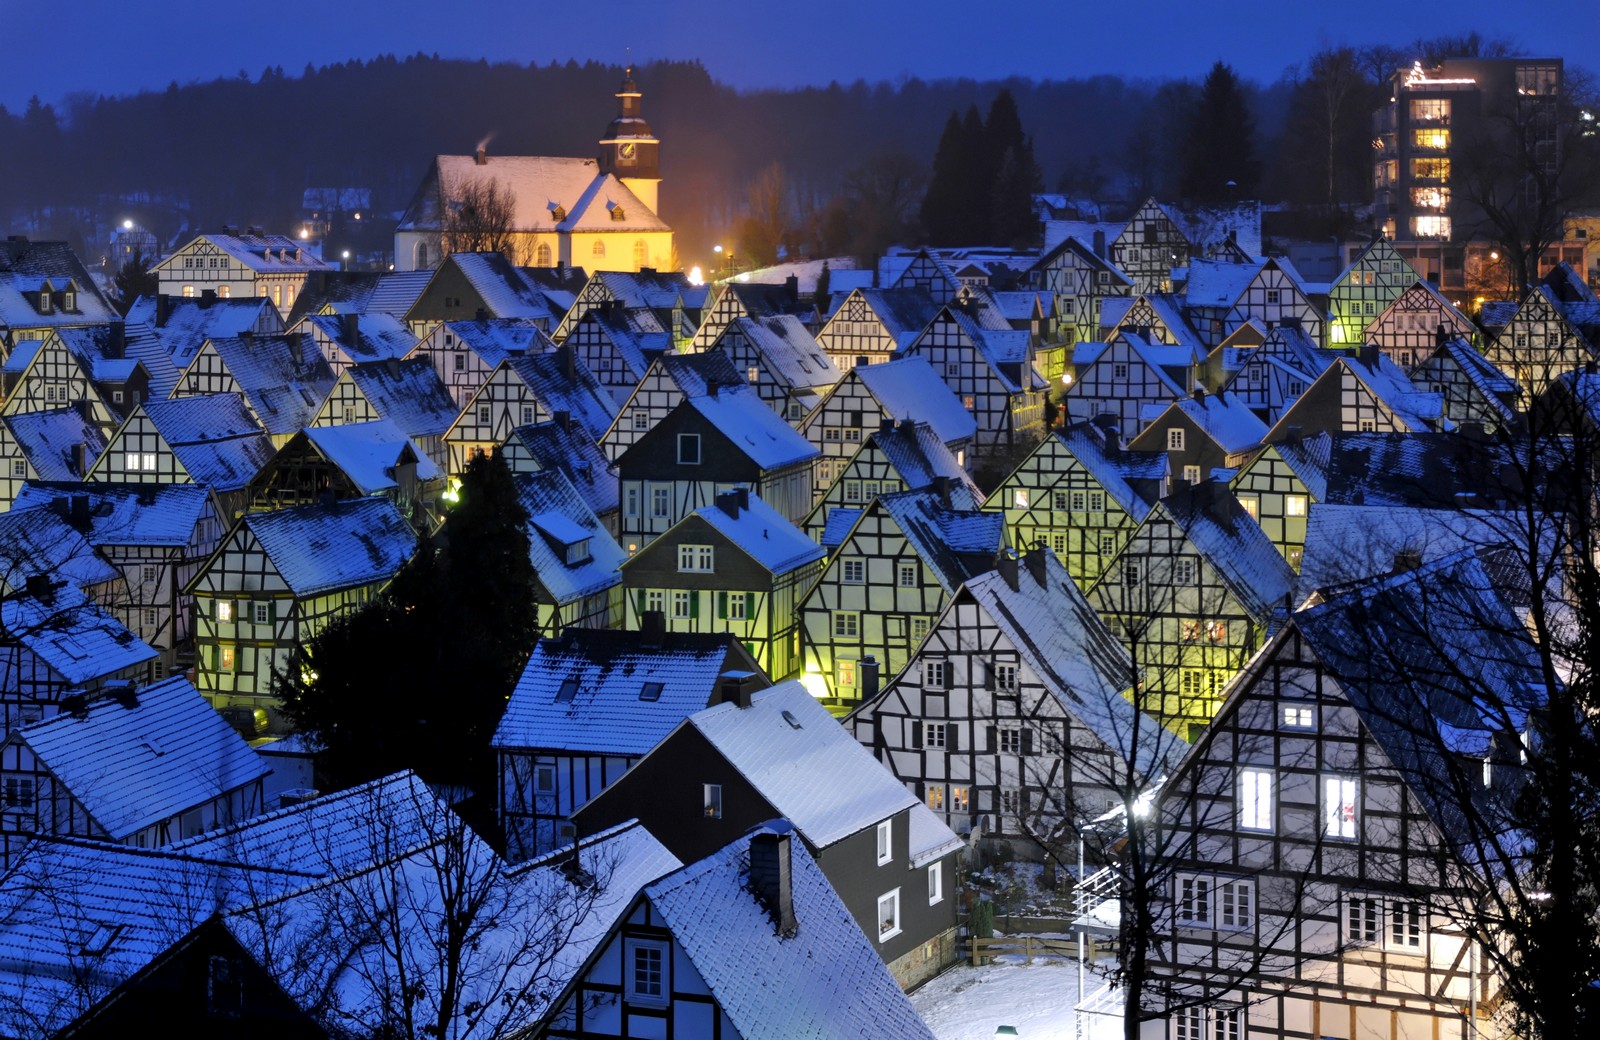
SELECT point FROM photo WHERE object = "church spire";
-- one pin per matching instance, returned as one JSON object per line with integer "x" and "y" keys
{"x": 629, "y": 150}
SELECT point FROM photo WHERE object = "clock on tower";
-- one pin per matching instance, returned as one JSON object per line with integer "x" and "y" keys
{"x": 629, "y": 150}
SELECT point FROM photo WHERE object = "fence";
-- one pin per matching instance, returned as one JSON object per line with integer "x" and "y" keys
{"x": 1030, "y": 947}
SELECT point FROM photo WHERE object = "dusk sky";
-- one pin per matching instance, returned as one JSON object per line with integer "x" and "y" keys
{"x": 116, "y": 47}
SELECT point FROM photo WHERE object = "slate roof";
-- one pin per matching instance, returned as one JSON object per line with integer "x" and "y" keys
{"x": 1058, "y": 231}
{"x": 323, "y": 548}
{"x": 284, "y": 378}
{"x": 496, "y": 339}
{"x": 1214, "y": 283}
{"x": 538, "y": 186}
{"x": 143, "y": 344}
{"x": 1346, "y": 543}
{"x": 573, "y": 452}
{"x": 693, "y": 374}
{"x": 378, "y": 336}
{"x": 788, "y": 350}
{"x": 368, "y": 453}
{"x": 132, "y": 767}
{"x": 917, "y": 454}
{"x": 1006, "y": 350}
{"x": 904, "y": 313}
{"x": 827, "y": 980}
{"x": 1114, "y": 311}
{"x": 654, "y": 290}
{"x": 214, "y": 436}
{"x": 126, "y": 514}
{"x": 957, "y": 541}
{"x": 634, "y": 333}
{"x": 764, "y": 534}
{"x": 18, "y": 312}
{"x": 39, "y": 542}
{"x": 1225, "y": 419}
{"x": 1232, "y": 542}
{"x": 1417, "y": 409}
{"x": 754, "y": 428}
{"x": 576, "y": 392}
{"x": 78, "y": 640}
{"x": 263, "y": 254}
{"x": 396, "y": 292}
{"x": 1115, "y": 471}
{"x": 48, "y": 440}
{"x": 606, "y": 713}
{"x": 909, "y": 388}
{"x": 408, "y": 393}
{"x": 557, "y": 515}
{"x": 507, "y": 292}
{"x": 1294, "y": 347}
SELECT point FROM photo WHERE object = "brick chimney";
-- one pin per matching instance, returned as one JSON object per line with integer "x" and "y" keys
{"x": 771, "y": 879}
{"x": 652, "y": 630}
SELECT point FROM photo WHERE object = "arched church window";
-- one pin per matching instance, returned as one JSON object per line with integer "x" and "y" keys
{"x": 641, "y": 254}
{"x": 422, "y": 256}
{"x": 541, "y": 256}
{"x": 599, "y": 248}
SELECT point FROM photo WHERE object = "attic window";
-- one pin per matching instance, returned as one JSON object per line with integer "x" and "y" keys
{"x": 568, "y": 690}
{"x": 45, "y": 306}
{"x": 558, "y": 212}
{"x": 69, "y": 300}
{"x": 99, "y": 940}
{"x": 618, "y": 214}
{"x": 651, "y": 691}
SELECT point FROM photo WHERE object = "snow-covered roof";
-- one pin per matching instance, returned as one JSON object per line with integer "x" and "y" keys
{"x": 917, "y": 454}
{"x": 804, "y": 272}
{"x": 408, "y": 393}
{"x": 495, "y": 339}
{"x": 837, "y": 527}
{"x": 125, "y": 514}
{"x": 143, "y": 344}
{"x": 39, "y": 542}
{"x": 1214, "y": 227}
{"x": 633, "y": 332}
{"x": 614, "y": 705}
{"x": 788, "y": 349}
{"x": 1346, "y": 543}
{"x": 214, "y": 436}
{"x": 1115, "y": 472}
{"x": 1230, "y": 540}
{"x": 542, "y": 188}
{"x": 753, "y": 427}
{"x": 561, "y": 382}
{"x": 284, "y": 378}
{"x": 263, "y": 254}
{"x": 955, "y": 540}
{"x": 1499, "y": 390}
{"x": 1058, "y": 231}
{"x": 909, "y": 388}
{"x": 377, "y": 336}
{"x": 396, "y": 292}
{"x": 369, "y": 452}
{"x": 1114, "y": 311}
{"x": 1417, "y": 409}
{"x": 320, "y": 548}
{"x": 550, "y": 445}
{"x": 903, "y": 312}
{"x": 826, "y": 980}
{"x": 49, "y": 440}
{"x": 654, "y": 290}
{"x": 1214, "y": 283}
{"x": 134, "y": 760}
{"x": 559, "y": 521}
{"x": 1225, "y": 419}
{"x": 18, "y": 311}
{"x": 763, "y": 533}
{"x": 78, "y": 640}
{"x": 506, "y": 290}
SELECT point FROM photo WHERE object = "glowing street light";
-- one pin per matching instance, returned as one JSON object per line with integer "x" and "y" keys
{"x": 127, "y": 225}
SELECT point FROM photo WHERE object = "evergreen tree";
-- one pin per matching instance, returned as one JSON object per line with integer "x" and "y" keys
{"x": 944, "y": 206}
{"x": 1015, "y": 178}
{"x": 1219, "y": 157}
{"x": 133, "y": 280}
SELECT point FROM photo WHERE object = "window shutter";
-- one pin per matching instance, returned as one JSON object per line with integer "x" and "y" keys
{"x": 722, "y": 606}
{"x": 1027, "y": 741}
{"x": 749, "y": 605}
{"x": 916, "y": 734}
{"x": 638, "y": 596}
{"x": 988, "y": 676}
{"x": 272, "y": 611}
{"x": 694, "y": 605}
{"x": 990, "y": 731}
{"x": 952, "y": 736}
{"x": 922, "y": 792}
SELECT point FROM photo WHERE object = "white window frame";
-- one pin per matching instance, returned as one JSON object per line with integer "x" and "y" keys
{"x": 663, "y": 956}
{"x": 695, "y": 559}
{"x": 935, "y": 884}
{"x": 711, "y": 801}
{"x": 885, "y": 841}
{"x": 1175, "y": 438}
{"x": 1341, "y": 807}
{"x": 1255, "y": 791}
{"x": 847, "y": 624}
{"x": 1297, "y": 716}
{"x": 936, "y": 675}
{"x": 889, "y": 915}
{"x": 854, "y": 572}
{"x": 933, "y": 735}
{"x": 905, "y": 575}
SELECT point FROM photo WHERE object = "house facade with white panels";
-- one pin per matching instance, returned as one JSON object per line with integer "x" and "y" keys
{"x": 867, "y": 395}
{"x": 1408, "y": 329}
{"x": 43, "y": 376}
{"x": 1077, "y": 280}
{"x": 277, "y": 579}
{"x": 1126, "y": 377}
{"x": 759, "y": 757}
{"x": 882, "y": 588}
{"x": 782, "y": 362}
{"x": 1222, "y": 296}
{"x": 1202, "y": 433}
{"x": 591, "y": 703}
{"x": 58, "y": 445}
{"x": 1376, "y": 277}
{"x": 1363, "y": 394}
{"x": 575, "y": 559}
{"x": 1472, "y": 389}
{"x": 903, "y": 456}
{"x": 1158, "y": 315}
{"x": 1547, "y": 337}
{"x": 731, "y": 300}
{"x": 283, "y": 380}
{"x": 523, "y": 390}
{"x": 1149, "y": 246}
{"x": 667, "y": 294}
{"x": 1278, "y": 487}
{"x": 1013, "y": 720}
{"x": 231, "y": 265}
{"x": 705, "y": 446}
{"x": 407, "y": 393}
{"x": 751, "y": 941}
{"x": 1192, "y": 595}
{"x": 1082, "y": 494}
{"x": 617, "y": 345}
{"x": 212, "y": 441}
{"x": 43, "y": 286}
{"x": 140, "y": 767}
{"x": 670, "y": 378}
{"x": 991, "y": 372}
{"x": 931, "y": 275}
{"x": 484, "y": 286}
{"x": 1319, "y": 887}
{"x": 60, "y": 645}
{"x": 323, "y": 463}
{"x": 872, "y": 325}
{"x": 353, "y": 339}
{"x": 156, "y": 537}
{"x": 736, "y": 566}
{"x": 465, "y": 353}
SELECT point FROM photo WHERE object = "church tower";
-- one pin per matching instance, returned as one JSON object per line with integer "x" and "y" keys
{"x": 629, "y": 150}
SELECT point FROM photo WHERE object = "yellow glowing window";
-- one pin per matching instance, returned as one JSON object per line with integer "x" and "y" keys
{"x": 1434, "y": 169}
{"x": 1432, "y": 138}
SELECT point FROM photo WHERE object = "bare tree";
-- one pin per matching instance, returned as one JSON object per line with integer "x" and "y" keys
{"x": 477, "y": 215}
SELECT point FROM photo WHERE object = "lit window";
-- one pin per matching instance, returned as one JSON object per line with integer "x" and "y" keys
{"x": 695, "y": 558}
{"x": 599, "y": 248}
{"x": 905, "y": 575}
{"x": 225, "y": 611}
{"x": 647, "y": 971}
{"x": 1295, "y": 505}
{"x": 753, "y": 374}
{"x": 969, "y": 402}
{"x": 688, "y": 449}
{"x": 935, "y": 797}
{"x": 1339, "y": 810}
{"x": 885, "y": 841}
{"x": 1255, "y": 800}
{"x": 1217, "y": 631}
{"x": 225, "y": 659}
{"x": 960, "y": 799}
{"x": 846, "y": 624}
{"x": 1019, "y": 498}
{"x": 711, "y": 801}
{"x": 846, "y": 670}
{"x": 1298, "y": 716}
{"x": 1251, "y": 504}
{"x": 889, "y": 916}
{"x": 936, "y": 881}
{"x": 855, "y": 572}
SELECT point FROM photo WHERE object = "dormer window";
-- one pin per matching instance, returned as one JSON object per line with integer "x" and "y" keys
{"x": 558, "y": 212}
{"x": 578, "y": 552}
{"x": 69, "y": 300}
{"x": 46, "y": 303}
{"x": 617, "y": 213}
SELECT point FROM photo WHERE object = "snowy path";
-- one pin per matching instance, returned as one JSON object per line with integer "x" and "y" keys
{"x": 967, "y": 1003}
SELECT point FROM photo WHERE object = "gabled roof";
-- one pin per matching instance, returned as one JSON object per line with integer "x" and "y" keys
{"x": 263, "y": 254}
{"x": 134, "y": 765}
{"x": 784, "y": 741}
{"x": 1214, "y": 283}
{"x": 1419, "y": 410}
{"x": 1114, "y": 311}
{"x": 572, "y": 451}
{"x": 654, "y": 290}
{"x": 764, "y": 534}
{"x": 909, "y": 388}
{"x": 789, "y": 350}
{"x": 917, "y": 454}
{"x": 1345, "y": 543}
{"x": 125, "y": 514}
{"x": 17, "y": 311}
{"x": 1057, "y": 232}
{"x": 1116, "y": 471}
{"x": 903, "y": 312}
{"x": 1498, "y": 389}
{"x": 542, "y": 189}
{"x": 396, "y": 292}
{"x": 507, "y": 292}
{"x": 1230, "y": 540}
{"x": 1225, "y": 419}
{"x": 610, "y": 709}
{"x": 956, "y": 540}
{"x": 826, "y": 980}
{"x": 190, "y": 322}
{"x": 1080, "y": 248}
{"x": 559, "y": 518}
{"x": 753, "y": 428}
{"x": 369, "y": 452}
{"x": 378, "y": 336}
{"x": 38, "y": 542}
{"x": 1216, "y": 227}
{"x": 634, "y": 333}
{"x": 284, "y": 378}
{"x": 563, "y": 383}
{"x": 838, "y": 526}
{"x": 1006, "y": 350}
{"x": 143, "y": 344}
{"x": 323, "y": 548}
{"x": 78, "y": 640}
{"x": 214, "y": 436}
{"x": 693, "y": 374}
{"x": 1294, "y": 347}
{"x": 48, "y": 440}
{"x": 495, "y": 339}
{"x": 25, "y": 265}
{"x": 408, "y": 393}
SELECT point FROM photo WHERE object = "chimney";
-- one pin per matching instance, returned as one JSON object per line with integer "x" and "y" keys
{"x": 1006, "y": 564}
{"x": 481, "y": 156}
{"x": 1100, "y": 244}
{"x": 208, "y": 297}
{"x": 569, "y": 366}
{"x": 735, "y": 688}
{"x": 563, "y": 420}
{"x": 1034, "y": 558}
{"x": 78, "y": 511}
{"x": 482, "y": 314}
{"x": 1112, "y": 441}
{"x": 791, "y": 285}
{"x": 352, "y": 325}
{"x": 393, "y": 367}
{"x": 886, "y": 425}
{"x": 80, "y": 459}
{"x": 1369, "y": 355}
{"x": 39, "y": 587}
{"x": 941, "y": 487}
{"x": 870, "y": 674}
{"x": 1440, "y": 336}
{"x": 1406, "y": 560}
{"x": 771, "y": 880}
{"x": 124, "y": 695}
{"x": 908, "y": 427}
{"x": 116, "y": 342}
{"x": 1199, "y": 394}
{"x": 163, "y": 309}
{"x": 728, "y": 502}
{"x": 711, "y": 388}
{"x": 653, "y": 630}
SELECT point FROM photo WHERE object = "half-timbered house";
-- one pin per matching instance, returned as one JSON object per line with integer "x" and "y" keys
{"x": 1078, "y": 280}
{"x": 323, "y": 463}
{"x": 730, "y": 300}
{"x": 464, "y": 353}
{"x": 1277, "y": 373}
{"x": 1158, "y": 315}
{"x": 991, "y": 372}
{"x": 676, "y": 304}
{"x": 1555, "y": 330}
{"x": 1014, "y": 718}
{"x": 1130, "y": 376}
{"x": 618, "y": 344}
{"x": 213, "y": 441}
{"x": 277, "y": 579}
{"x": 283, "y": 380}
{"x": 1202, "y": 433}
{"x": 778, "y": 753}
{"x": 1192, "y": 595}
{"x": 40, "y": 550}
{"x": 58, "y": 445}
{"x": 1408, "y": 329}
{"x": 575, "y": 559}
{"x": 230, "y": 264}
{"x": 480, "y": 285}
{"x": 144, "y": 766}
{"x": 58, "y": 649}
{"x": 781, "y": 360}
{"x": 407, "y": 393}
{"x": 670, "y": 378}
{"x": 750, "y": 941}
{"x": 871, "y": 326}
{"x": 526, "y": 389}
{"x": 867, "y": 395}
{"x": 121, "y": 379}
{"x": 1362, "y": 393}
{"x": 348, "y": 338}
{"x": 561, "y": 444}
{"x": 1278, "y": 487}
{"x": 902, "y": 558}
{"x": 1472, "y": 388}
{"x": 1375, "y": 278}
{"x": 926, "y": 272}
{"x": 1149, "y": 246}
{"x": 42, "y": 375}
{"x": 899, "y": 456}
{"x": 591, "y": 703}
{"x": 705, "y": 446}
{"x": 735, "y": 566}
{"x": 43, "y": 286}
{"x": 177, "y": 328}
{"x": 1221, "y": 296}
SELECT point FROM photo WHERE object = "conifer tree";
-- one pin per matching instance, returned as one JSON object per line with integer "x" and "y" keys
{"x": 943, "y": 206}
{"x": 1219, "y": 156}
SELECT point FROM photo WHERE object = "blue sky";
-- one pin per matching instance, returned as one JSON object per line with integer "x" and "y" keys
{"x": 118, "y": 46}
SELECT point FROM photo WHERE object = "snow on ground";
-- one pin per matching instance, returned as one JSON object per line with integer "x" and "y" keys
{"x": 967, "y": 1003}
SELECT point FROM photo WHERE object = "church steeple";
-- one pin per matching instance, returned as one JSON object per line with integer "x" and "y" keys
{"x": 629, "y": 149}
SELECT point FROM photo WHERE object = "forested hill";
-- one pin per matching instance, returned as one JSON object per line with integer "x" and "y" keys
{"x": 242, "y": 150}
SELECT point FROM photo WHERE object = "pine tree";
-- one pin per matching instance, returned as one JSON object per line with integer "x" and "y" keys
{"x": 943, "y": 208}
{"x": 1219, "y": 158}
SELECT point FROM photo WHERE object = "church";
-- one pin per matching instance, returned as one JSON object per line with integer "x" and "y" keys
{"x": 598, "y": 214}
